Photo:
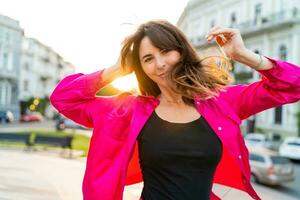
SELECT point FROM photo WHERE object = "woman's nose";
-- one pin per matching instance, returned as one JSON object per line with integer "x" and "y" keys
{"x": 160, "y": 62}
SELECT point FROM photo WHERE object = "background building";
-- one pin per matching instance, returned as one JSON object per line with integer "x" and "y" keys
{"x": 271, "y": 28}
{"x": 29, "y": 70}
{"x": 10, "y": 55}
{"x": 41, "y": 69}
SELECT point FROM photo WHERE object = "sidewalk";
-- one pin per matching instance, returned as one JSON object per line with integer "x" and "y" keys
{"x": 39, "y": 175}
{"x": 45, "y": 175}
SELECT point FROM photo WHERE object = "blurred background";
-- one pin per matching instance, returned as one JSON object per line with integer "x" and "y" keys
{"x": 42, "y": 153}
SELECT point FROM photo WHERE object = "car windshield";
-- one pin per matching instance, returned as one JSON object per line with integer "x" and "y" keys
{"x": 254, "y": 139}
{"x": 294, "y": 143}
{"x": 279, "y": 160}
{"x": 257, "y": 158}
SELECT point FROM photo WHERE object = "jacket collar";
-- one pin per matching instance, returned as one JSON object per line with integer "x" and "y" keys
{"x": 156, "y": 101}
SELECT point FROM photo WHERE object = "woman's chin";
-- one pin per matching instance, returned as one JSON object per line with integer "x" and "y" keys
{"x": 164, "y": 83}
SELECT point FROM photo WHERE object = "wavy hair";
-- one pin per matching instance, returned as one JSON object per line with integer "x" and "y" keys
{"x": 191, "y": 75}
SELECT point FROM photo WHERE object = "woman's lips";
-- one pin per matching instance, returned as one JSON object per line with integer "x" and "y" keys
{"x": 163, "y": 75}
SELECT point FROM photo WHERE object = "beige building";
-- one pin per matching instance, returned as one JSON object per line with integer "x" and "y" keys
{"x": 41, "y": 69}
{"x": 10, "y": 47}
{"x": 270, "y": 27}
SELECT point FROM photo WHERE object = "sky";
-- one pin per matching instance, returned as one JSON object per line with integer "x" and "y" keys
{"x": 87, "y": 33}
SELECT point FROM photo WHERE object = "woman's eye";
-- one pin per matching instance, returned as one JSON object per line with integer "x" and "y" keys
{"x": 164, "y": 51}
{"x": 148, "y": 59}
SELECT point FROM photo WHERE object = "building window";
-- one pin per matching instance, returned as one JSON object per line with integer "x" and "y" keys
{"x": 278, "y": 115}
{"x": 10, "y": 62}
{"x": 5, "y": 60}
{"x": 8, "y": 94}
{"x": 26, "y": 85}
{"x": 257, "y": 13}
{"x": 2, "y": 94}
{"x": 26, "y": 66}
{"x": 283, "y": 52}
{"x": 5, "y": 93}
{"x": 232, "y": 19}
{"x": 7, "y": 36}
{"x": 212, "y": 23}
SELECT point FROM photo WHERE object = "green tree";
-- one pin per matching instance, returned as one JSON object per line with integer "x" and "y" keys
{"x": 34, "y": 104}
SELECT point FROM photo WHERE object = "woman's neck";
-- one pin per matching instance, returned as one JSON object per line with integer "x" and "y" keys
{"x": 172, "y": 99}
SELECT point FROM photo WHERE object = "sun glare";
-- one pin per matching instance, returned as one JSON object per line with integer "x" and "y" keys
{"x": 126, "y": 83}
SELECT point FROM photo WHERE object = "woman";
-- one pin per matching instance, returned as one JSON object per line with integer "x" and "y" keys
{"x": 182, "y": 133}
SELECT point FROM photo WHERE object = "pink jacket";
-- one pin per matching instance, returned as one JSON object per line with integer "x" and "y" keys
{"x": 113, "y": 161}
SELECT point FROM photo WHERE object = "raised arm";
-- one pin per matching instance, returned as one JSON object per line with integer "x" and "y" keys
{"x": 279, "y": 85}
{"x": 75, "y": 95}
{"x": 280, "y": 82}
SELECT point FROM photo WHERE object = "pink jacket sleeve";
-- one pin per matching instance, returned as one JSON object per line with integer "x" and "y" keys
{"x": 75, "y": 97}
{"x": 279, "y": 85}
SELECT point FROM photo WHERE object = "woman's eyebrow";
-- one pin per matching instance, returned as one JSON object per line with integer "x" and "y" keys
{"x": 145, "y": 56}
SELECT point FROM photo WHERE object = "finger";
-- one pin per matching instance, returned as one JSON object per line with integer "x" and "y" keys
{"x": 223, "y": 31}
{"x": 224, "y": 37}
{"x": 209, "y": 37}
{"x": 221, "y": 40}
{"x": 217, "y": 31}
{"x": 211, "y": 30}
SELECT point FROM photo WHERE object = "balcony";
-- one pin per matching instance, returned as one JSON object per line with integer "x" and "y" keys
{"x": 11, "y": 75}
{"x": 45, "y": 78}
{"x": 270, "y": 21}
{"x": 260, "y": 24}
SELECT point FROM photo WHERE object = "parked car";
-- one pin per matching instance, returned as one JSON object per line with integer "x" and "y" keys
{"x": 32, "y": 117}
{"x": 260, "y": 140}
{"x": 290, "y": 148}
{"x": 6, "y": 116}
{"x": 269, "y": 168}
{"x": 62, "y": 123}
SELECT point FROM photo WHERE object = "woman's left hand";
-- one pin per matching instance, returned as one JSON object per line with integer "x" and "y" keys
{"x": 229, "y": 39}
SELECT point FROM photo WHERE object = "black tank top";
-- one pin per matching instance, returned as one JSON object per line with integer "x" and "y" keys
{"x": 178, "y": 160}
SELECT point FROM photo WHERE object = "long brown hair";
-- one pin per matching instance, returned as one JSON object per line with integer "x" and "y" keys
{"x": 191, "y": 75}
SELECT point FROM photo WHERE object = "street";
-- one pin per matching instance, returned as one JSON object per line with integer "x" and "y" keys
{"x": 72, "y": 171}
{"x": 292, "y": 188}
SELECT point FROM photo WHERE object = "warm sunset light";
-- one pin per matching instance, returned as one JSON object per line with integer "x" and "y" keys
{"x": 126, "y": 83}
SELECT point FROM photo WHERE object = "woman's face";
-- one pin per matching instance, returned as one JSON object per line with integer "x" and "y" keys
{"x": 156, "y": 62}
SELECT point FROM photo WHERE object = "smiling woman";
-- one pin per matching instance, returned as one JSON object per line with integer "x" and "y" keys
{"x": 157, "y": 48}
{"x": 178, "y": 142}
